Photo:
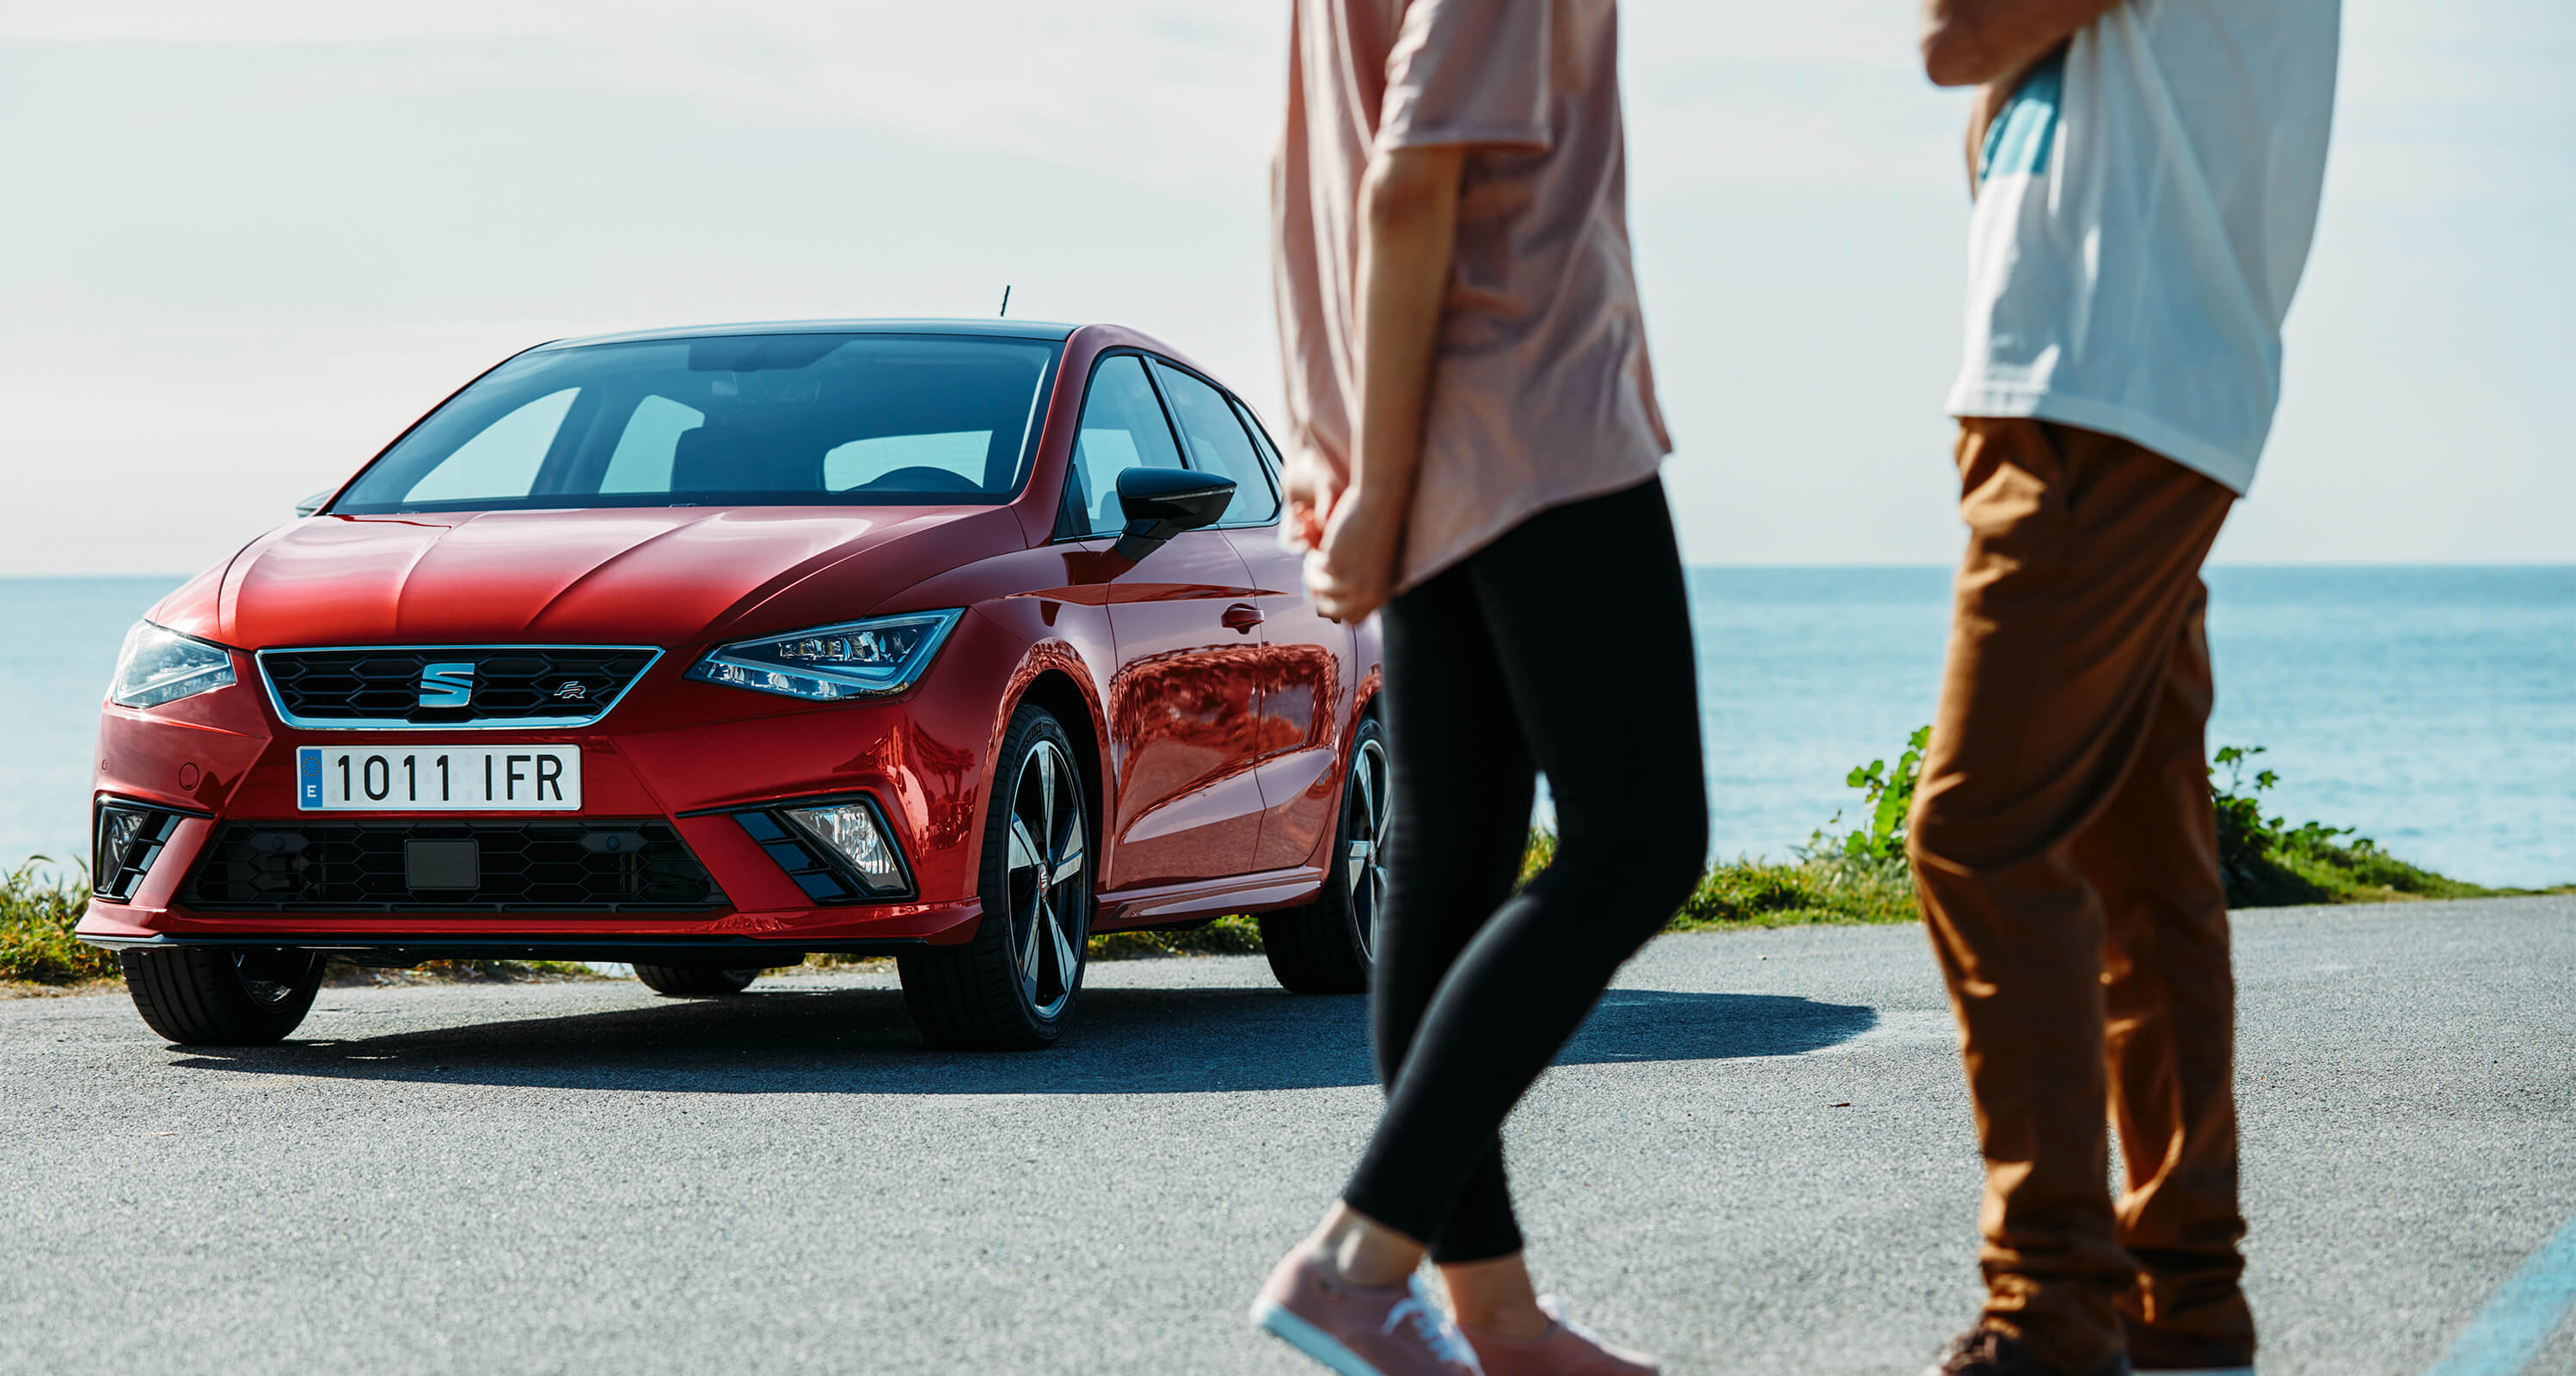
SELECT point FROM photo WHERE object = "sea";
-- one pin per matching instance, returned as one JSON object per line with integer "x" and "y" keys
{"x": 2431, "y": 708}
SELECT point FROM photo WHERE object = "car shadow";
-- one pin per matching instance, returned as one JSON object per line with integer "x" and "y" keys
{"x": 1126, "y": 1041}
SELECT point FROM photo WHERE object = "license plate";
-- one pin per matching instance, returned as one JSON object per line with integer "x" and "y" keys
{"x": 437, "y": 778}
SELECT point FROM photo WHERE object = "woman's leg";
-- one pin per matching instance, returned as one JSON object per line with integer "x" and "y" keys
{"x": 1589, "y": 630}
{"x": 1460, "y": 793}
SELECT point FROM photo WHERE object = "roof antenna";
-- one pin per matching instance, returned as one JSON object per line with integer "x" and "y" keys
{"x": 1006, "y": 301}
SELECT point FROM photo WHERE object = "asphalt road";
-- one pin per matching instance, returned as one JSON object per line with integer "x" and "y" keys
{"x": 584, "y": 1177}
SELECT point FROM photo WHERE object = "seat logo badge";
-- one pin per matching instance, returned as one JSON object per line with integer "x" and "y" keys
{"x": 571, "y": 691}
{"x": 446, "y": 685}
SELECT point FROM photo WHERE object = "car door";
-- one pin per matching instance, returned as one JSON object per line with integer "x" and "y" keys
{"x": 1181, "y": 702}
{"x": 1305, "y": 668}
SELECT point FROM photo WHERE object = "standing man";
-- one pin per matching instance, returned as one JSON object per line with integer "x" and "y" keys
{"x": 2146, "y": 176}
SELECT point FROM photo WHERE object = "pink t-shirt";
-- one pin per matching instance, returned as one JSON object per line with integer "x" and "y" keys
{"x": 1541, "y": 394}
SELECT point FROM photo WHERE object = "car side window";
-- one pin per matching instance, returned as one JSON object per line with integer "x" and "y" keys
{"x": 1122, "y": 428}
{"x": 1218, "y": 445}
{"x": 1261, "y": 438}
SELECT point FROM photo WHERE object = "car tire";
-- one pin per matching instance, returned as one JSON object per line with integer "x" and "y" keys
{"x": 222, "y": 997}
{"x": 1328, "y": 946}
{"x": 1013, "y": 986}
{"x": 694, "y": 981}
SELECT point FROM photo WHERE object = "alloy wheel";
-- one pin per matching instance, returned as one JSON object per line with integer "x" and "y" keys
{"x": 1046, "y": 872}
{"x": 1364, "y": 823}
{"x": 270, "y": 977}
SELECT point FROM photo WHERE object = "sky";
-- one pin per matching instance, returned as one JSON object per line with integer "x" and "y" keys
{"x": 247, "y": 241}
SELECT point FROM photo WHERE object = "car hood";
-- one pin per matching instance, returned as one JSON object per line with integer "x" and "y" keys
{"x": 630, "y": 575}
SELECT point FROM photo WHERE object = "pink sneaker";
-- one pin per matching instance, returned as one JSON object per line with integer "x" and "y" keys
{"x": 1566, "y": 1349}
{"x": 1360, "y": 1330}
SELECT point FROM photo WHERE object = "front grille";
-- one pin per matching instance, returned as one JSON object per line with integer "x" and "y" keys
{"x": 130, "y": 837}
{"x": 512, "y": 685}
{"x": 586, "y": 866}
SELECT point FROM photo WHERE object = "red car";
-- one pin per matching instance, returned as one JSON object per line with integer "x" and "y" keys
{"x": 705, "y": 649}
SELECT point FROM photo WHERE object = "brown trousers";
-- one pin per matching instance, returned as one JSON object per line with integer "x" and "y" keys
{"x": 2066, "y": 856}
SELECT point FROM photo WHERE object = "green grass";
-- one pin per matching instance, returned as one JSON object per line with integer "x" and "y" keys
{"x": 2316, "y": 870}
{"x": 1754, "y": 892}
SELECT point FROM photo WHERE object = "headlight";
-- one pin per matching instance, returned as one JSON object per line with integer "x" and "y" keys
{"x": 160, "y": 665}
{"x": 858, "y": 659}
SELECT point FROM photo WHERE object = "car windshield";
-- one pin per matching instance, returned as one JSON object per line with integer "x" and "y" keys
{"x": 739, "y": 420}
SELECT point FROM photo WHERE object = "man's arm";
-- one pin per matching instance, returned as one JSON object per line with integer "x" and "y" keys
{"x": 1985, "y": 42}
{"x": 1408, "y": 221}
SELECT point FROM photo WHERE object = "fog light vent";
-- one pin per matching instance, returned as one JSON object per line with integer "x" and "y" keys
{"x": 130, "y": 837}
{"x": 837, "y": 851}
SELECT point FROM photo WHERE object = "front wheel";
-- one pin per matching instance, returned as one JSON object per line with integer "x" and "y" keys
{"x": 1328, "y": 946}
{"x": 694, "y": 981}
{"x": 201, "y": 996}
{"x": 1012, "y": 987}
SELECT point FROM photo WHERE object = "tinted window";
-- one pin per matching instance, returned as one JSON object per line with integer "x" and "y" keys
{"x": 502, "y": 459}
{"x": 759, "y": 420}
{"x": 861, "y": 462}
{"x": 1218, "y": 445}
{"x": 1122, "y": 428}
{"x": 1261, "y": 437}
{"x": 641, "y": 462}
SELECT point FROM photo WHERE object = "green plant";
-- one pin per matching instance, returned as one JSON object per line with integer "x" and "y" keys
{"x": 2265, "y": 861}
{"x": 2250, "y": 844}
{"x": 1888, "y": 794}
{"x": 37, "y": 914}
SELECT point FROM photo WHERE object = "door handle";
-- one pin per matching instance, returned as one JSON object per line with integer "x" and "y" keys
{"x": 1242, "y": 616}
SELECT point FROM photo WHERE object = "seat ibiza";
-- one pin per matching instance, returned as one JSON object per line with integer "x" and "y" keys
{"x": 707, "y": 649}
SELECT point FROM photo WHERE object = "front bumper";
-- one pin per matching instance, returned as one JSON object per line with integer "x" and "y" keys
{"x": 723, "y": 952}
{"x": 677, "y": 754}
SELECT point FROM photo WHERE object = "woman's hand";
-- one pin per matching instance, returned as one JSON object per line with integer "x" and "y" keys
{"x": 1312, "y": 488}
{"x": 1408, "y": 222}
{"x": 1351, "y": 571}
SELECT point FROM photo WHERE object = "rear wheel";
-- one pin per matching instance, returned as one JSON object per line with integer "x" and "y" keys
{"x": 694, "y": 981}
{"x": 204, "y": 996}
{"x": 1328, "y": 946}
{"x": 1012, "y": 988}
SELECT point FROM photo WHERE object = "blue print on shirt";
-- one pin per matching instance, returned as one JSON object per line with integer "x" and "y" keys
{"x": 2021, "y": 137}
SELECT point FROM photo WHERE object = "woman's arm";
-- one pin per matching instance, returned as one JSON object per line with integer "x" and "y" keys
{"x": 1408, "y": 220}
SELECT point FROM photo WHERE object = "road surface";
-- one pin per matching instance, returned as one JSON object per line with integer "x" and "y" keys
{"x": 1756, "y": 1158}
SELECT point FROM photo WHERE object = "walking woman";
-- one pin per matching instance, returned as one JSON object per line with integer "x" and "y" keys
{"x": 1476, "y": 444}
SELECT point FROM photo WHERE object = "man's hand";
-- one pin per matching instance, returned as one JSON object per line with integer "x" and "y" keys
{"x": 1989, "y": 42}
{"x": 1351, "y": 571}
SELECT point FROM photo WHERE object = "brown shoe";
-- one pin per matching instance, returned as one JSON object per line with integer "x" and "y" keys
{"x": 1983, "y": 1351}
{"x": 1566, "y": 1349}
{"x": 2182, "y": 1354}
{"x": 1360, "y": 1330}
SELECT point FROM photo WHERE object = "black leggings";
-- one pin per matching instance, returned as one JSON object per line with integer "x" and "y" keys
{"x": 1563, "y": 648}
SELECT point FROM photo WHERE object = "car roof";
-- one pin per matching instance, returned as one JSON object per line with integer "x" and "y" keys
{"x": 1004, "y": 329}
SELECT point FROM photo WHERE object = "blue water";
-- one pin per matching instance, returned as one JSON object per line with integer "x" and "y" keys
{"x": 2433, "y": 708}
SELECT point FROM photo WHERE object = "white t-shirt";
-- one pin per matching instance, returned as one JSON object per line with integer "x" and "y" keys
{"x": 2145, "y": 207}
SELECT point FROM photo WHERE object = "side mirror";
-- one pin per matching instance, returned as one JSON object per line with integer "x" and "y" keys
{"x": 313, "y": 503}
{"x": 1163, "y": 502}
